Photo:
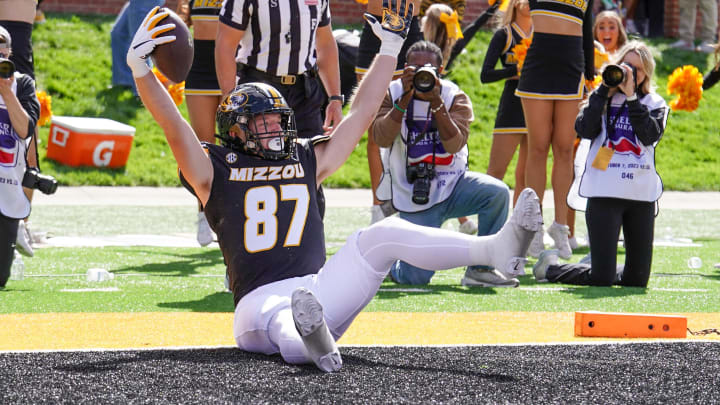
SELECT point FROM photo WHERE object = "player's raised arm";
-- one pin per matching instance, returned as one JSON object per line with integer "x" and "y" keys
{"x": 392, "y": 31}
{"x": 191, "y": 159}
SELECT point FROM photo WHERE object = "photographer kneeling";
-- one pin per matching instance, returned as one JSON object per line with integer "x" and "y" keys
{"x": 625, "y": 120}
{"x": 424, "y": 122}
{"x": 19, "y": 112}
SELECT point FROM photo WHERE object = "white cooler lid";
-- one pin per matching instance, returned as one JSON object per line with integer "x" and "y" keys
{"x": 102, "y": 126}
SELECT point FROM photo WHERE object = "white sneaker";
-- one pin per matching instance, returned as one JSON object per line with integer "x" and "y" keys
{"x": 587, "y": 259}
{"x": 537, "y": 245}
{"x": 310, "y": 324}
{"x": 204, "y": 233}
{"x": 546, "y": 259}
{"x": 706, "y": 47}
{"x": 23, "y": 242}
{"x": 559, "y": 233}
{"x": 682, "y": 44}
{"x": 630, "y": 27}
{"x": 468, "y": 227}
{"x": 512, "y": 241}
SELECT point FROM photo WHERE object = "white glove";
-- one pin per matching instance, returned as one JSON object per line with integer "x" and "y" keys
{"x": 145, "y": 40}
{"x": 394, "y": 26}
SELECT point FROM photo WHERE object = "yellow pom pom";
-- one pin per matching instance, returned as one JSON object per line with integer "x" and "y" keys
{"x": 520, "y": 51}
{"x": 45, "y": 108}
{"x": 686, "y": 83}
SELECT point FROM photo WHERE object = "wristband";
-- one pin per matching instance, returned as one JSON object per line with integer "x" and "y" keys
{"x": 632, "y": 98}
{"x": 397, "y": 107}
{"x": 435, "y": 110}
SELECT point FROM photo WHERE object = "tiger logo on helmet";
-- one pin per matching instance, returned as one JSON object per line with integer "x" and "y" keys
{"x": 239, "y": 111}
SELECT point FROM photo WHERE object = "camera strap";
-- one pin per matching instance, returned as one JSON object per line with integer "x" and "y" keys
{"x": 413, "y": 128}
{"x": 610, "y": 123}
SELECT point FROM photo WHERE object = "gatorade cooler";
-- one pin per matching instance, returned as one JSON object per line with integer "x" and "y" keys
{"x": 98, "y": 142}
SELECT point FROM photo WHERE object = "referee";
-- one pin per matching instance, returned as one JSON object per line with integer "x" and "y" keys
{"x": 288, "y": 44}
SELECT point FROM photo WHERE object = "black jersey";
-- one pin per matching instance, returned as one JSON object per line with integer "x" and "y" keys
{"x": 266, "y": 217}
{"x": 205, "y": 9}
{"x": 500, "y": 47}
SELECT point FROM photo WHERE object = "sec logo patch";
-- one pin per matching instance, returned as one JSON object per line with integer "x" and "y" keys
{"x": 231, "y": 157}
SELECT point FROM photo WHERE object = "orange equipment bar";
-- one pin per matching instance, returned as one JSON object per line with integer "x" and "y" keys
{"x": 624, "y": 325}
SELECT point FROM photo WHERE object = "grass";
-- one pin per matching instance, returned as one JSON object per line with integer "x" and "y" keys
{"x": 191, "y": 279}
{"x": 73, "y": 63}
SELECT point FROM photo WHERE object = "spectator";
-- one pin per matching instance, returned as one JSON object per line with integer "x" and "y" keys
{"x": 713, "y": 75}
{"x": 510, "y": 130}
{"x": 202, "y": 91}
{"x": 18, "y": 16}
{"x": 125, "y": 25}
{"x": 288, "y": 299}
{"x": 551, "y": 87}
{"x": 625, "y": 123}
{"x": 426, "y": 131}
{"x": 708, "y": 25}
{"x": 19, "y": 112}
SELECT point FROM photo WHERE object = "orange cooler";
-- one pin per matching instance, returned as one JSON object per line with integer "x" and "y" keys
{"x": 96, "y": 142}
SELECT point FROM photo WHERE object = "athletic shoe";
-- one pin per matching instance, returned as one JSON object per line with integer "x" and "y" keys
{"x": 537, "y": 245}
{"x": 587, "y": 259}
{"x": 487, "y": 278}
{"x": 468, "y": 227}
{"x": 559, "y": 233}
{"x": 547, "y": 258}
{"x": 682, "y": 44}
{"x": 204, "y": 233}
{"x": 512, "y": 241}
{"x": 310, "y": 324}
{"x": 631, "y": 28}
{"x": 23, "y": 242}
{"x": 573, "y": 243}
{"x": 705, "y": 47}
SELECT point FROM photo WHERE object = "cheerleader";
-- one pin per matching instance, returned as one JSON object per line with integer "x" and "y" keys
{"x": 551, "y": 87}
{"x": 510, "y": 129}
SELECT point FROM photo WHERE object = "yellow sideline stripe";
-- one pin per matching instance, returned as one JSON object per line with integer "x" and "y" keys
{"x": 171, "y": 329}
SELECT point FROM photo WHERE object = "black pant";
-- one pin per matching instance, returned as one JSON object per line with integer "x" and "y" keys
{"x": 8, "y": 235}
{"x": 306, "y": 97}
{"x": 605, "y": 217}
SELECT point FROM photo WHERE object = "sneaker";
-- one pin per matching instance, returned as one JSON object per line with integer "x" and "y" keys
{"x": 682, "y": 44}
{"x": 468, "y": 227}
{"x": 23, "y": 242}
{"x": 310, "y": 324}
{"x": 573, "y": 243}
{"x": 559, "y": 233}
{"x": 706, "y": 47}
{"x": 537, "y": 245}
{"x": 204, "y": 233}
{"x": 487, "y": 278}
{"x": 511, "y": 243}
{"x": 587, "y": 259}
{"x": 547, "y": 258}
{"x": 631, "y": 28}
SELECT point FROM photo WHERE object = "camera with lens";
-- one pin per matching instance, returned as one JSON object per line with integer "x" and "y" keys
{"x": 614, "y": 75}
{"x": 7, "y": 68}
{"x": 424, "y": 78}
{"x": 419, "y": 176}
{"x": 34, "y": 179}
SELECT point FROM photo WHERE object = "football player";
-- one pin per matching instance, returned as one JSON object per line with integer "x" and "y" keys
{"x": 258, "y": 190}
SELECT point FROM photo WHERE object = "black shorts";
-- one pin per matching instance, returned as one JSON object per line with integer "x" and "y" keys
{"x": 554, "y": 68}
{"x": 510, "y": 118}
{"x": 22, "y": 50}
{"x": 370, "y": 45}
{"x": 202, "y": 79}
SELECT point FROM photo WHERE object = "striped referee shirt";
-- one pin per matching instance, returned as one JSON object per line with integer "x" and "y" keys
{"x": 279, "y": 35}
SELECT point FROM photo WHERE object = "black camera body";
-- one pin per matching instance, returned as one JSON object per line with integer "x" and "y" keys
{"x": 614, "y": 75}
{"x": 425, "y": 78}
{"x": 7, "y": 68}
{"x": 419, "y": 176}
{"x": 33, "y": 179}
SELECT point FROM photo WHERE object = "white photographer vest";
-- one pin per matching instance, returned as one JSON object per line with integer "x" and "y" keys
{"x": 631, "y": 174}
{"x": 394, "y": 159}
{"x": 13, "y": 202}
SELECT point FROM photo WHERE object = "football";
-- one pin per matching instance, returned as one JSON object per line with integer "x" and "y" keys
{"x": 175, "y": 58}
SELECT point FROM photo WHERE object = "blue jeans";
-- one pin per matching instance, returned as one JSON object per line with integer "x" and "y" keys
{"x": 475, "y": 193}
{"x": 121, "y": 35}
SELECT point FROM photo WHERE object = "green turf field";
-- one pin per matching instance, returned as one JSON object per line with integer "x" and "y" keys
{"x": 191, "y": 279}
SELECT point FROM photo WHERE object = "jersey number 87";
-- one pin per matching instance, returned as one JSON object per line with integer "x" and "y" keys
{"x": 261, "y": 222}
